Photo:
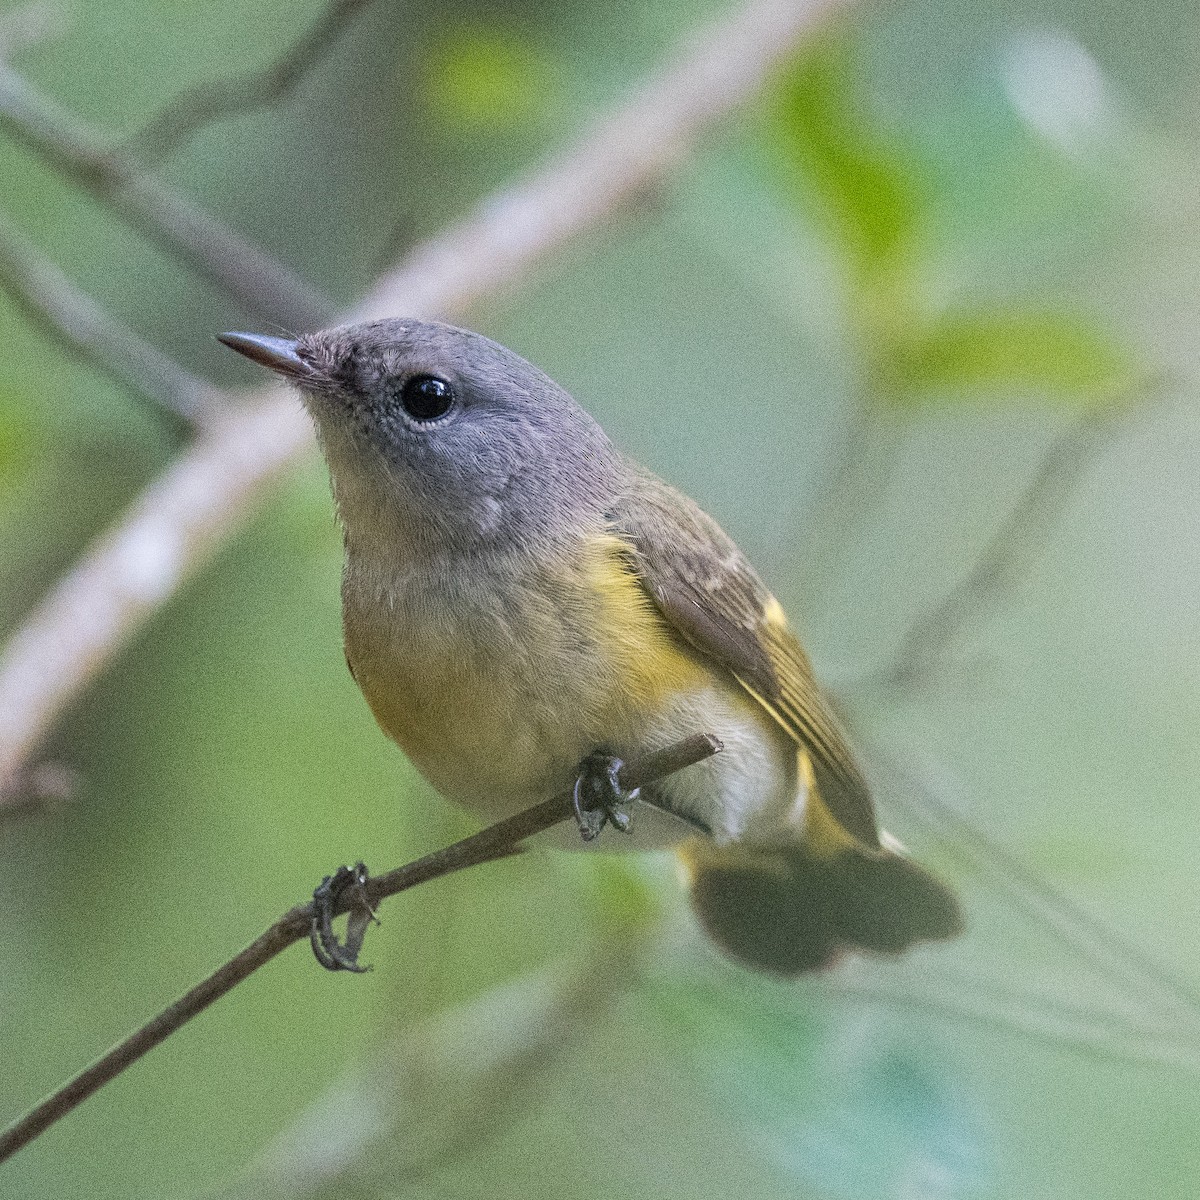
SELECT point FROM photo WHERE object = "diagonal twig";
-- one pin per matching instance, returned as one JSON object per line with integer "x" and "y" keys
{"x": 177, "y": 523}
{"x": 76, "y": 322}
{"x": 1116, "y": 958}
{"x": 203, "y": 242}
{"x": 213, "y": 99}
{"x": 1052, "y": 1022}
{"x": 1006, "y": 553}
{"x": 29, "y": 24}
{"x": 486, "y": 846}
{"x": 37, "y": 789}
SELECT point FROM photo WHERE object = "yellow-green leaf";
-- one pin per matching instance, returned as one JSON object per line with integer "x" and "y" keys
{"x": 487, "y": 80}
{"x": 1056, "y": 353}
{"x": 16, "y": 446}
{"x": 871, "y": 192}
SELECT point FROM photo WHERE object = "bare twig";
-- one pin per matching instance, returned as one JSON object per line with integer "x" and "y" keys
{"x": 462, "y": 1087}
{"x": 190, "y": 111}
{"x": 496, "y": 841}
{"x": 1053, "y": 1022}
{"x": 856, "y": 481}
{"x": 1007, "y": 553}
{"x": 82, "y": 327}
{"x": 29, "y": 24}
{"x": 1119, "y": 960}
{"x": 210, "y": 490}
{"x": 197, "y": 238}
{"x": 37, "y": 789}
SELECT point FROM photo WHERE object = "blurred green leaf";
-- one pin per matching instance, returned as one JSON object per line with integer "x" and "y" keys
{"x": 871, "y": 192}
{"x": 487, "y": 80}
{"x": 628, "y": 896}
{"x": 1054, "y": 352}
{"x": 16, "y": 446}
{"x": 879, "y": 1116}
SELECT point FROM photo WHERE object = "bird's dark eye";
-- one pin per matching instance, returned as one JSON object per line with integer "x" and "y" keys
{"x": 426, "y": 397}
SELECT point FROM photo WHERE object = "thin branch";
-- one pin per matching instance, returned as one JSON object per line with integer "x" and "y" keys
{"x": 30, "y": 24}
{"x": 1007, "y": 553}
{"x": 77, "y": 323}
{"x": 1052, "y": 1022}
{"x": 1116, "y": 958}
{"x": 37, "y": 789}
{"x": 497, "y": 841}
{"x": 213, "y": 99}
{"x": 181, "y": 519}
{"x": 183, "y": 229}
{"x": 501, "y": 1093}
{"x": 856, "y": 481}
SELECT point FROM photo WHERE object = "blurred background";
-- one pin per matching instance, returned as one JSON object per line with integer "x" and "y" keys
{"x": 919, "y": 326}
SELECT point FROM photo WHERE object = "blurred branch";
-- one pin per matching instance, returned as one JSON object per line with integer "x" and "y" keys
{"x": 851, "y": 488}
{"x": 58, "y": 307}
{"x": 1119, "y": 960}
{"x": 30, "y": 24}
{"x": 651, "y": 134}
{"x": 496, "y": 841}
{"x": 1007, "y": 553}
{"x": 133, "y": 569}
{"x": 213, "y": 99}
{"x": 1051, "y": 1021}
{"x": 36, "y": 789}
{"x": 451, "y": 1085}
{"x": 198, "y": 239}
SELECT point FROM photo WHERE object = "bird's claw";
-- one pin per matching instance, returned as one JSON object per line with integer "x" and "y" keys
{"x": 599, "y": 799}
{"x": 330, "y": 953}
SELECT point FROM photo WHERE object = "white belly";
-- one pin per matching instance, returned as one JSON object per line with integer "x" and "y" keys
{"x": 749, "y": 792}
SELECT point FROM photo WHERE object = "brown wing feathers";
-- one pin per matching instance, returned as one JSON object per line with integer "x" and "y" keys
{"x": 711, "y": 595}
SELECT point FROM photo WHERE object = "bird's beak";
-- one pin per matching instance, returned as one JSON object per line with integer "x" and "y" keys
{"x": 279, "y": 354}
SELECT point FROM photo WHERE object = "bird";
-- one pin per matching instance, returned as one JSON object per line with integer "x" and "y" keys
{"x": 525, "y": 607}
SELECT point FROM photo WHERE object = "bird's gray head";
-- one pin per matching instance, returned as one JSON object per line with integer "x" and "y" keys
{"x": 442, "y": 440}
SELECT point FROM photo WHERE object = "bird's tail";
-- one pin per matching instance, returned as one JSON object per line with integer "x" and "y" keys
{"x": 792, "y": 910}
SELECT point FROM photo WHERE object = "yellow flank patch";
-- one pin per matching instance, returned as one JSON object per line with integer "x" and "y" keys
{"x": 773, "y": 614}
{"x": 823, "y": 835}
{"x": 643, "y": 649}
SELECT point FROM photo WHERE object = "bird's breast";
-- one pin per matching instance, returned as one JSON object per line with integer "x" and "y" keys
{"x": 496, "y": 678}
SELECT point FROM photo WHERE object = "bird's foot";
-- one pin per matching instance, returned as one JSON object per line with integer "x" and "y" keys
{"x": 330, "y": 953}
{"x": 599, "y": 799}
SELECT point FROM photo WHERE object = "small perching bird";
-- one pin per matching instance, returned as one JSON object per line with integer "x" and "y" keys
{"x": 524, "y": 607}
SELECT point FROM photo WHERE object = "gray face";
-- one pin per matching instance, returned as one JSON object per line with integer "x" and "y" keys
{"x": 445, "y": 435}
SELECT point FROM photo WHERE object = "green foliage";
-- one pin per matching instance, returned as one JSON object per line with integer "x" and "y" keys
{"x": 763, "y": 1049}
{"x": 16, "y": 445}
{"x": 870, "y": 191}
{"x": 1058, "y": 353}
{"x": 486, "y": 80}
{"x": 626, "y": 898}
{"x": 874, "y": 196}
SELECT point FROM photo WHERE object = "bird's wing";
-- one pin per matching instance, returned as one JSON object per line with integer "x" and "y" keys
{"x": 708, "y": 591}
